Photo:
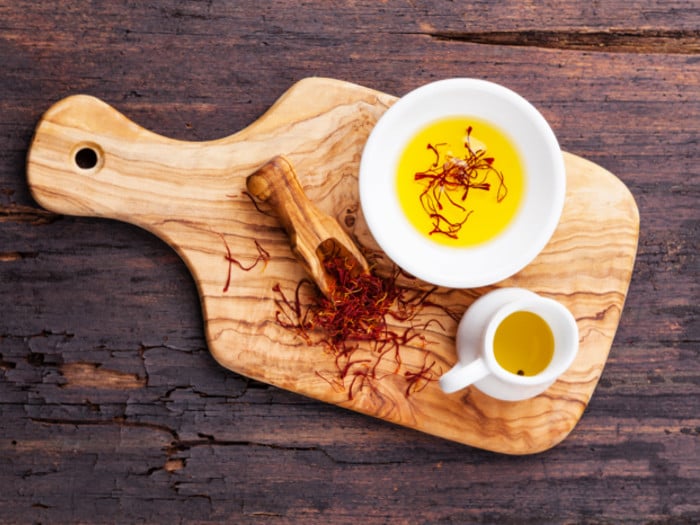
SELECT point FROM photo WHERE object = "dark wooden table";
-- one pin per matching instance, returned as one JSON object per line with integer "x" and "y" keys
{"x": 111, "y": 408}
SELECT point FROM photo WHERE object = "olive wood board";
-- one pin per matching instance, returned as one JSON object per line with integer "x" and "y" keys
{"x": 192, "y": 196}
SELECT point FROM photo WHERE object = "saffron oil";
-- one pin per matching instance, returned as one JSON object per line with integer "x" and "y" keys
{"x": 460, "y": 181}
{"x": 523, "y": 344}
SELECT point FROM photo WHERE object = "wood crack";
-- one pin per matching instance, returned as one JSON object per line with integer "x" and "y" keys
{"x": 211, "y": 441}
{"x": 106, "y": 422}
{"x": 26, "y": 214}
{"x": 17, "y": 256}
{"x": 683, "y": 42}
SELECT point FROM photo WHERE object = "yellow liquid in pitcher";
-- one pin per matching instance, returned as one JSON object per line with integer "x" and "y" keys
{"x": 523, "y": 344}
{"x": 442, "y": 212}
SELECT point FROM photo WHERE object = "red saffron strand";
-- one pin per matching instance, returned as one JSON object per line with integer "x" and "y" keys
{"x": 257, "y": 206}
{"x": 263, "y": 256}
{"x": 424, "y": 374}
{"x": 228, "y": 258}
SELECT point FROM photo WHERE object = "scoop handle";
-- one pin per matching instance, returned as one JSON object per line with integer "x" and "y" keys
{"x": 308, "y": 227}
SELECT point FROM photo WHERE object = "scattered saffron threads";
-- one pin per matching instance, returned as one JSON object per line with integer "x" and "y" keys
{"x": 290, "y": 312}
{"x": 357, "y": 311}
{"x": 448, "y": 183}
{"x": 417, "y": 381}
{"x": 263, "y": 256}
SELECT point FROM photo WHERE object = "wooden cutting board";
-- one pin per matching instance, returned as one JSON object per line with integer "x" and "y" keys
{"x": 88, "y": 159}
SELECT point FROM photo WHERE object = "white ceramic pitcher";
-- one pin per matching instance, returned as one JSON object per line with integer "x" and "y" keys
{"x": 475, "y": 345}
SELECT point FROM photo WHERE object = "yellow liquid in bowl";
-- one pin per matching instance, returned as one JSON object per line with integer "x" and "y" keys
{"x": 440, "y": 210}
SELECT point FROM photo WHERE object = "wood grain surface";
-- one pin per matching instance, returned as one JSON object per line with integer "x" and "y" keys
{"x": 112, "y": 408}
{"x": 193, "y": 196}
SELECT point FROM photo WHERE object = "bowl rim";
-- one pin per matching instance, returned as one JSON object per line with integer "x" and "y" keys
{"x": 389, "y": 226}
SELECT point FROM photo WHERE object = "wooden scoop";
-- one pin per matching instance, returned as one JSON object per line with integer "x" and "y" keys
{"x": 314, "y": 235}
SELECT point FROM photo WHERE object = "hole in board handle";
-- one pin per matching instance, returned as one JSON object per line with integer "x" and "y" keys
{"x": 87, "y": 157}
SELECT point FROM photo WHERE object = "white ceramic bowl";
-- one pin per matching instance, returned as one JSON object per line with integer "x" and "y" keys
{"x": 538, "y": 213}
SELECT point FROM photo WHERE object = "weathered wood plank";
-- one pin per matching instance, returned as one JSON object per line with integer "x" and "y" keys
{"x": 198, "y": 443}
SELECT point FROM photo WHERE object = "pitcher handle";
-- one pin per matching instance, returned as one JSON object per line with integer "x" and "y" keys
{"x": 461, "y": 376}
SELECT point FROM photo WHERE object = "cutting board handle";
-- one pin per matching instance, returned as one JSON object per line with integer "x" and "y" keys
{"x": 88, "y": 159}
